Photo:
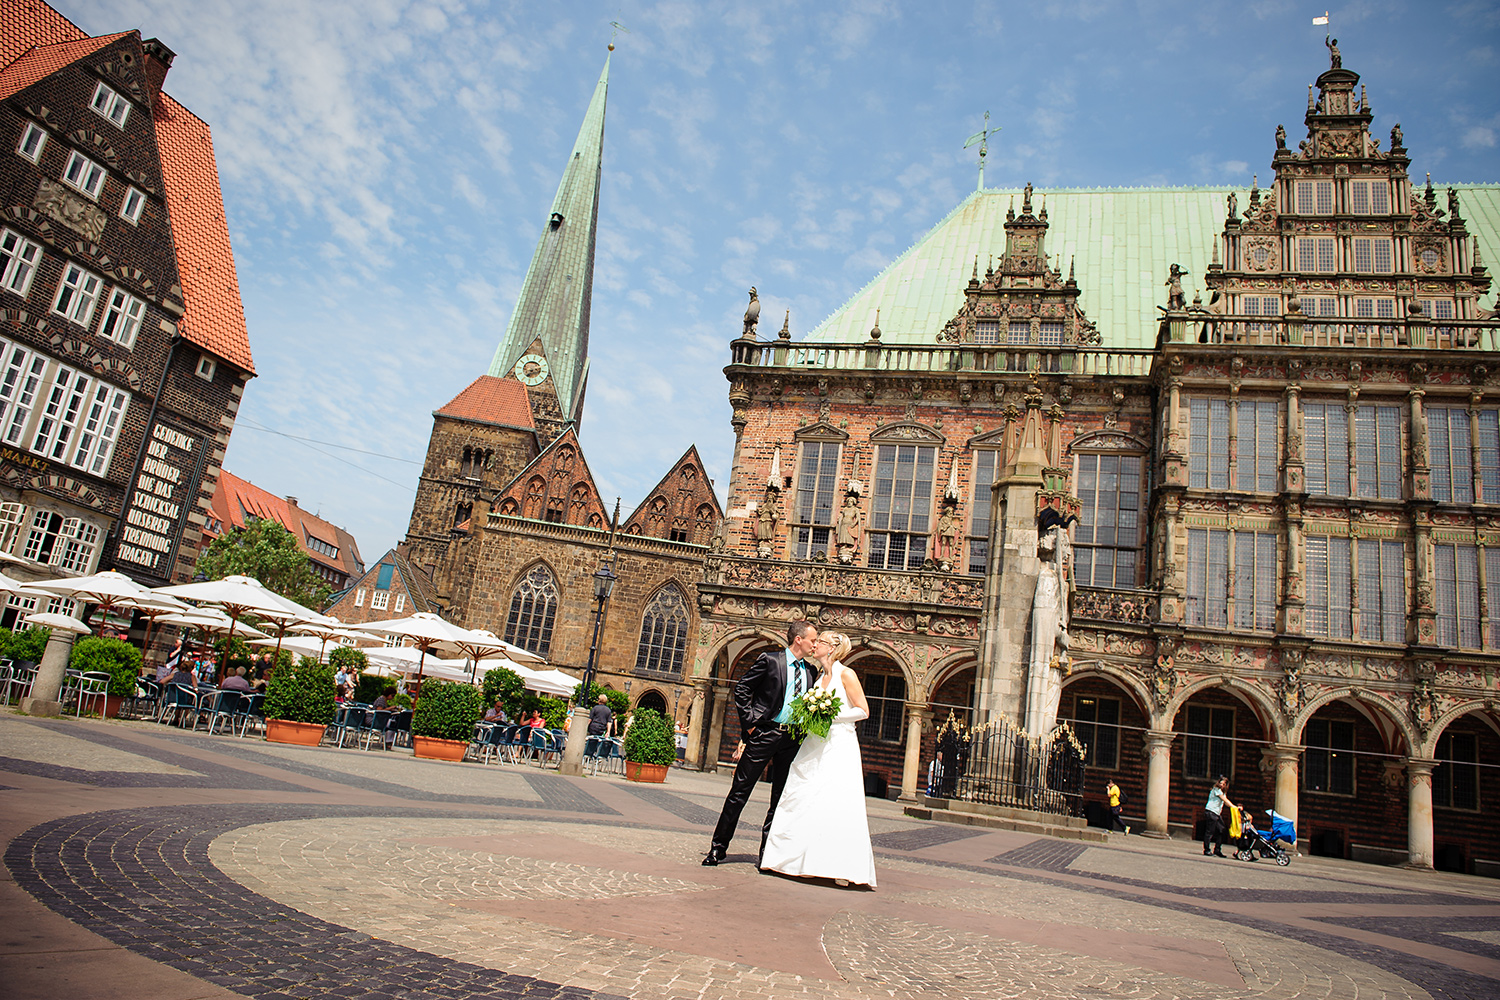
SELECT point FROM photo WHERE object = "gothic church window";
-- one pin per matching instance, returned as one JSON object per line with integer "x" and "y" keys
{"x": 580, "y": 504}
{"x": 536, "y": 492}
{"x": 533, "y": 608}
{"x": 664, "y": 629}
{"x": 902, "y": 506}
{"x": 817, "y": 480}
{"x": 462, "y": 515}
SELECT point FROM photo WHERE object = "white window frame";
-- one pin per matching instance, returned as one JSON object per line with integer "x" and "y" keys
{"x": 400, "y": 603}
{"x": 110, "y": 103}
{"x": 12, "y": 517}
{"x": 84, "y": 175}
{"x": 79, "y": 541}
{"x": 19, "y": 261}
{"x": 78, "y": 293}
{"x": 379, "y": 599}
{"x": 100, "y": 429}
{"x": 132, "y": 205}
{"x": 123, "y": 314}
{"x": 205, "y": 369}
{"x": 359, "y": 597}
{"x": 21, "y": 376}
{"x": 33, "y": 141}
{"x": 59, "y": 414}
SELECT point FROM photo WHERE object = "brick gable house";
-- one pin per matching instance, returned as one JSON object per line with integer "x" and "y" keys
{"x": 125, "y": 352}
{"x": 330, "y": 550}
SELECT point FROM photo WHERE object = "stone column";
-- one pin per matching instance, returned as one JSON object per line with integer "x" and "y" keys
{"x": 1419, "y": 812}
{"x": 701, "y": 687}
{"x": 716, "y": 726}
{"x": 1158, "y": 753}
{"x": 46, "y": 690}
{"x": 917, "y": 717}
{"x": 1283, "y": 758}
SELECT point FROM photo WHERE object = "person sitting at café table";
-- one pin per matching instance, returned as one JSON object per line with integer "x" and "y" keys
{"x": 235, "y": 681}
{"x": 495, "y": 713}
{"x": 535, "y": 721}
{"x": 184, "y": 675}
{"x": 387, "y": 699}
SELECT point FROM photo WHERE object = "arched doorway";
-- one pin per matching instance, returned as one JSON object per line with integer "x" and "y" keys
{"x": 1352, "y": 771}
{"x": 1110, "y": 723}
{"x": 1464, "y": 788}
{"x": 653, "y": 699}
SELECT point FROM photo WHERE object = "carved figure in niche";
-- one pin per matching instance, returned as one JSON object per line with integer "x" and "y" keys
{"x": 1396, "y": 137}
{"x": 1281, "y": 137}
{"x": 848, "y": 528}
{"x": 1175, "y": 298}
{"x": 1049, "y": 631}
{"x": 943, "y": 536}
{"x": 1334, "y": 57}
{"x": 765, "y": 522}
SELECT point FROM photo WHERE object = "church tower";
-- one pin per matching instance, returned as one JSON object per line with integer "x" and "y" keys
{"x": 546, "y": 343}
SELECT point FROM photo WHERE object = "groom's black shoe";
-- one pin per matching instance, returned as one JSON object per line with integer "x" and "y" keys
{"x": 713, "y": 857}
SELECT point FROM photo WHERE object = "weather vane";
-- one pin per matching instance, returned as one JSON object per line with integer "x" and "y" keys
{"x": 617, "y": 28}
{"x": 983, "y": 138}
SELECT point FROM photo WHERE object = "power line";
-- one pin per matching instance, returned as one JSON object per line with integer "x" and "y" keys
{"x": 308, "y": 442}
{"x": 343, "y": 447}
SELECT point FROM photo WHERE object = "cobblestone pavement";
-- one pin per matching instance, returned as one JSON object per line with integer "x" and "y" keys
{"x": 148, "y": 862}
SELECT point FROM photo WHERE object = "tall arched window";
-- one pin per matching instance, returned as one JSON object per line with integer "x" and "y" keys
{"x": 664, "y": 632}
{"x": 533, "y": 607}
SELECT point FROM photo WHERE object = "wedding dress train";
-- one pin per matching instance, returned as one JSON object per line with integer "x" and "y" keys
{"x": 820, "y": 828}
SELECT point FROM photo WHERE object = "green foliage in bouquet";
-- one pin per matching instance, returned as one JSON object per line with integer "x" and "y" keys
{"x": 813, "y": 713}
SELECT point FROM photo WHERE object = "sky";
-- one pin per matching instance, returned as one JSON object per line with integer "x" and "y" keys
{"x": 388, "y": 166}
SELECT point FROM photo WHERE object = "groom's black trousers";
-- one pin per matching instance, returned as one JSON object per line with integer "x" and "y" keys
{"x": 770, "y": 745}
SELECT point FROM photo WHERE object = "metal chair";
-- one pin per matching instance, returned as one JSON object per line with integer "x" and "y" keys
{"x": 22, "y": 676}
{"x": 591, "y": 753}
{"x": 352, "y": 720}
{"x": 374, "y": 733}
{"x": 400, "y": 729}
{"x": 70, "y": 686}
{"x": 493, "y": 745}
{"x": 224, "y": 709}
{"x": 144, "y": 702}
{"x": 252, "y": 712}
{"x": 544, "y": 743}
{"x": 177, "y": 698}
{"x": 92, "y": 687}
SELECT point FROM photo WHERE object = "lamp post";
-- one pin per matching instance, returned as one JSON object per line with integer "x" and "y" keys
{"x": 572, "y": 762}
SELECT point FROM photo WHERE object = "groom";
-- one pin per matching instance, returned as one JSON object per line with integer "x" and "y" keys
{"x": 763, "y": 698}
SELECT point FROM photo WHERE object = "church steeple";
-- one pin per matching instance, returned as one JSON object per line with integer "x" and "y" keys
{"x": 555, "y": 299}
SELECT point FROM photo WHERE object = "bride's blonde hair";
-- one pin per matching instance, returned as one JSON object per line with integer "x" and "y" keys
{"x": 838, "y": 646}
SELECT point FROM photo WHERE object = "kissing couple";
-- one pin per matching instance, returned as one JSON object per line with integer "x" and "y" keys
{"x": 816, "y": 825}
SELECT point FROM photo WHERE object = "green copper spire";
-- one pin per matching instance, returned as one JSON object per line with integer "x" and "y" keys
{"x": 555, "y": 298}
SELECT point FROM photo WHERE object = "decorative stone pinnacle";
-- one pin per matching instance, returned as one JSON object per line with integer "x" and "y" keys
{"x": 786, "y": 327}
{"x": 875, "y": 330}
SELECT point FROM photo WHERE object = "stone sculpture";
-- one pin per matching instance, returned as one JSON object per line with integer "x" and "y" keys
{"x": 848, "y": 529}
{"x": 1049, "y": 632}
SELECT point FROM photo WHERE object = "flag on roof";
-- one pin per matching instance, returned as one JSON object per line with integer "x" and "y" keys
{"x": 1321, "y": 20}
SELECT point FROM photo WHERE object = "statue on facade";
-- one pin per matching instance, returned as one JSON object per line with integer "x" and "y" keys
{"x": 1334, "y": 57}
{"x": 1396, "y": 137}
{"x": 1175, "y": 299}
{"x": 847, "y": 529}
{"x": 765, "y": 522}
{"x": 1234, "y": 206}
{"x": 1281, "y": 137}
{"x": 1049, "y": 631}
{"x": 752, "y": 314}
{"x": 944, "y": 537}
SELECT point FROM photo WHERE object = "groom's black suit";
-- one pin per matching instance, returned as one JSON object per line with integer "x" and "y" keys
{"x": 758, "y": 698}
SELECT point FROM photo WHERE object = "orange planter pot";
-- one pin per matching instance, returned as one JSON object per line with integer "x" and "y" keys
{"x": 435, "y": 749}
{"x": 303, "y": 734}
{"x": 637, "y": 771}
{"x": 112, "y": 703}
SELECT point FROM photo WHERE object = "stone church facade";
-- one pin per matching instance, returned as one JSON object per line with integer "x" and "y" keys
{"x": 1284, "y": 563}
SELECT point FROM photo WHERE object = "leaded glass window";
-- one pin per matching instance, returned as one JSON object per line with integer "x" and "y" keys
{"x": 1255, "y": 581}
{"x": 1208, "y": 577}
{"x": 1382, "y": 590}
{"x": 1455, "y": 781}
{"x": 1208, "y": 444}
{"x": 1329, "y": 758}
{"x": 817, "y": 478}
{"x": 1456, "y": 575}
{"x": 1108, "y": 534}
{"x": 1208, "y": 743}
{"x": 902, "y": 506}
{"x": 533, "y": 607}
{"x": 1328, "y": 587}
{"x": 1377, "y": 451}
{"x": 1325, "y": 428}
{"x": 985, "y": 462}
{"x": 1450, "y": 455}
{"x": 1255, "y": 463}
{"x": 886, "y": 694}
{"x": 664, "y": 631}
{"x": 1096, "y": 721}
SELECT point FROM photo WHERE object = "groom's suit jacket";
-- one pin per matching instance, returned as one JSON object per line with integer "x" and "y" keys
{"x": 759, "y": 694}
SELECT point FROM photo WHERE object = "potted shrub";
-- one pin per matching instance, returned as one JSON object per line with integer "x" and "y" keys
{"x": 443, "y": 722}
{"x": 115, "y": 657}
{"x": 299, "y": 702}
{"x": 650, "y": 746}
{"x": 26, "y": 646}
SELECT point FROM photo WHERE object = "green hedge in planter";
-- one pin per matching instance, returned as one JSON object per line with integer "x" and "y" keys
{"x": 447, "y": 710}
{"x": 115, "y": 657}
{"x": 505, "y": 685}
{"x": 25, "y": 646}
{"x": 301, "y": 693}
{"x": 651, "y": 739}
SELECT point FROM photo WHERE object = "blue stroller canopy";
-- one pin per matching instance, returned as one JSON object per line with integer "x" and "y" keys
{"x": 1281, "y": 827}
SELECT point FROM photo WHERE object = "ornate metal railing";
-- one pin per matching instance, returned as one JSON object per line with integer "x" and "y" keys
{"x": 999, "y": 764}
{"x": 1319, "y": 331}
{"x": 1071, "y": 359}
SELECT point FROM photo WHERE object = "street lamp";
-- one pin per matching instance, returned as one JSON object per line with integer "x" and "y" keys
{"x": 604, "y": 585}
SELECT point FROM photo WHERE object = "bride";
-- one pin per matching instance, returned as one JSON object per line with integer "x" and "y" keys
{"x": 820, "y": 829}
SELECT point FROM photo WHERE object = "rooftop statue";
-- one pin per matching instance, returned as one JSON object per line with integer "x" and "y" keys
{"x": 752, "y": 314}
{"x": 1333, "y": 52}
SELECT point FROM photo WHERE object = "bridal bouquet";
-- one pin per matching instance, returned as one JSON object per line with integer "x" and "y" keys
{"x": 814, "y": 713}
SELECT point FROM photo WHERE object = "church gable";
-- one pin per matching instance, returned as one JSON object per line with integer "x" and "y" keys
{"x": 682, "y": 507}
{"x": 556, "y": 487}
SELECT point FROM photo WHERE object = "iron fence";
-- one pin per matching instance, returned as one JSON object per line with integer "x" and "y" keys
{"x": 999, "y": 764}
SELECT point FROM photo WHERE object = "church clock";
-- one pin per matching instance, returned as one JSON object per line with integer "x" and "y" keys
{"x": 531, "y": 369}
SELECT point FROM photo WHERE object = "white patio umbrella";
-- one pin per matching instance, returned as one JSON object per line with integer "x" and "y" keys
{"x": 214, "y": 620}
{"x": 109, "y": 590}
{"x": 51, "y": 619}
{"x": 243, "y": 595}
{"x": 426, "y": 631}
{"x": 302, "y": 645}
{"x": 326, "y": 628}
{"x": 553, "y": 682}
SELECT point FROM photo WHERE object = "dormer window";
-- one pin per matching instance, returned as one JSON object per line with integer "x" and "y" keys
{"x": 84, "y": 174}
{"x": 33, "y": 140}
{"x": 111, "y": 105}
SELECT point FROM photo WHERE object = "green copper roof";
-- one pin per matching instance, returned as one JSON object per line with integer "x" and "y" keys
{"x": 1121, "y": 240}
{"x": 555, "y": 298}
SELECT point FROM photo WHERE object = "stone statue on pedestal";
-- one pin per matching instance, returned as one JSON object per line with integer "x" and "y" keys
{"x": 1049, "y": 632}
{"x": 847, "y": 530}
{"x": 765, "y": 522}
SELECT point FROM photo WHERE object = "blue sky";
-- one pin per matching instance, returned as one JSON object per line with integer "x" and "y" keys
{"x": 387, "y": 167}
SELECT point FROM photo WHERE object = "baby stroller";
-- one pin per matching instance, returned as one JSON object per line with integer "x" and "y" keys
{"x": 1253, "y": 842}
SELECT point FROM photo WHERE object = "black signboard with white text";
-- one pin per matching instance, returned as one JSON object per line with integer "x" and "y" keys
{"x": 162, "y": 496}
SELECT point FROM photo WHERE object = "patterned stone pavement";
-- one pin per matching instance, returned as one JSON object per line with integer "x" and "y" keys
{"x": 142, "y": 861}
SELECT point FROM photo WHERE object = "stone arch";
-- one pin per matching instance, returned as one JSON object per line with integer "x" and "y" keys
{"x": 944, "y": 669}
{"x": 916, "y": 690}
{"x": 1261, "y": 703}
{"x": 749, "y": 635}
{"x": 1122, "y": 678}
{"x": 1485, "y": 708}
{"x": 1391, "y": 720}
{"x": 650, "y": 696}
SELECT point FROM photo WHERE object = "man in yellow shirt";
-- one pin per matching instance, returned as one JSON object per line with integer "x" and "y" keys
{"x": 1116, "y": 822}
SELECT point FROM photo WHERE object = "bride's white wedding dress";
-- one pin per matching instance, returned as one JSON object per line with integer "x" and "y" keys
{"x": 820, "y": 827}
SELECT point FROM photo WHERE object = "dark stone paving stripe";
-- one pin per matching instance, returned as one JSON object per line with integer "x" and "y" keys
{"x": 1044, "y": 853}
{"x": 678, "y": 806}
{"x": 1434, "y": 931}
{"x": 143, "y": 879}
{"x": 1442, "y": 981}
{"x": 917, "y": 839}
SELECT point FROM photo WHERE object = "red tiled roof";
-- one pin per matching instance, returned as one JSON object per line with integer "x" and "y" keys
{"x": 44, "y": 60}
{"x": 30, "y": 22}
{"x": 492, "y": 400}
{"x": 235, "y": 497}
{"x": 215, "y": 318}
